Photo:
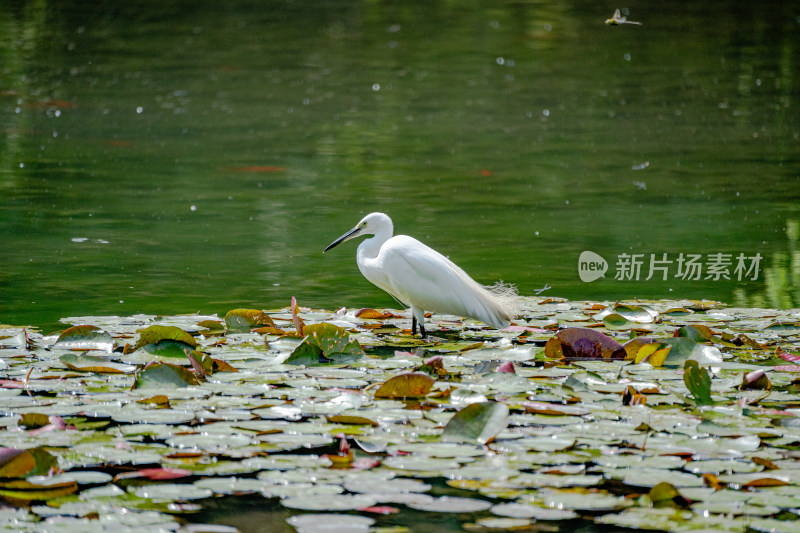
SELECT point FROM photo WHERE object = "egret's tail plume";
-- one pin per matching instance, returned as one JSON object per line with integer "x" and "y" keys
{"x": 500, "y": 306}
{"x": 507, "y": 297}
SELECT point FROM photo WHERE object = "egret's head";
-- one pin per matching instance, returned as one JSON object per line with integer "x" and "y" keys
{"x": 371, "y": 224}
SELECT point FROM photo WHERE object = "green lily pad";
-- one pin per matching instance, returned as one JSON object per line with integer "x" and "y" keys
{"x": 411, "y": 385}
{"x": 245, "y": 319}
{"x": 478, "y": 422}
{"x": 25, "y": 491}
{"x": 154, "y": 334}
{"x": 325, "y": 343}
{"x": 89, "y": 363}
{"x": 683, "y": 349}
{"x": 85, "y": 338}
{"x": 169, "y": 348}
{"x": 616, "y": 321}
{"x": 165, "y": 375}
{"x": 696, "y": 332}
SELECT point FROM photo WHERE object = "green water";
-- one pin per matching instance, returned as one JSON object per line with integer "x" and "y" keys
{"x": 167, "y": 157}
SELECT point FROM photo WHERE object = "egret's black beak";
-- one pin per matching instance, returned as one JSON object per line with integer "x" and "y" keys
{"x": 347, "y": 236}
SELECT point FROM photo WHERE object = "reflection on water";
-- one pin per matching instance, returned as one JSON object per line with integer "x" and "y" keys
{"x": 185, "y": 156}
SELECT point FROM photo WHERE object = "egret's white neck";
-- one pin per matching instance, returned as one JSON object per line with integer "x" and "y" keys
{"x": 369, "y": 248}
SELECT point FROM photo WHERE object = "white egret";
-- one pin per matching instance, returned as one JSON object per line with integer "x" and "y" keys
{"x": 423, "y": 279}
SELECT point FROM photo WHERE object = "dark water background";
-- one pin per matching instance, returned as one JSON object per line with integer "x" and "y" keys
{"x": 169, "y": 157}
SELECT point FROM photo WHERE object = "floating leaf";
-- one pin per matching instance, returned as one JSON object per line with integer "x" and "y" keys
{"x": 15, "y": 463}
{"x": 159, "y": 400}
{"x": 615, "y": 321}
{"x": 153, "y": 334}
{"x": 654, "y": 353}
{"x": 683, "y": 349}
{"x": 325, "y": 343}
{"x": 307, "y": 353}
{"x": 544, "y": 408}
{"x": 698, "y": 382}
{"x": 212, "y": 325}
{"x": 635, "y": 313}
{"x": 26, "y": 491}
{"x": 784, "y": 326}
{"x": 329, "y": 502}
{"x": 372, "y": 314}
{"x": 633, "y": 346}
{"x": 85, "y": 338}
{"x": 20, "y": 463}
{"x": 350, "y": 419}
{"x": 452, "y": 504}
{"x": 168, "y": 348}
{"x": 324, "y": 522}
{"x": 218, "y": 365}
{"x": 666, "y": 495}
{"x": 164, "y": 375}
{"x": 477, "y": 422}
{"x": 244, "y": 319}
{"x": 155, "y": 474}
{"x": 34, "y": 420}
{"x": 696, "y": 332}
{"x": 89, "y": 363}
{"x": 578, "y": 344}
{"x": 412, "y": 385}
{"x": 334, "y": 341}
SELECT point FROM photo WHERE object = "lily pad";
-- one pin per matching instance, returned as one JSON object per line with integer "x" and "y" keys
{"x": 329, "y": 502}
{"x": 153, "y": 334}
{"x": 25, "y": 491}
{"x": 244, "y": 319}
{"x": 330, "y": 523}
{"x": 412, "y": 385}
{"x": 580, "y": 344}
{"x": 478, "y": 422}
{"x": 325, "y": 343}
{"x": 21, "y": 463}
{"x": 451, "y": 504}
{"x": 85, "y": 338}
{"x": 89, "y": 363}
{"x": 165, "y": 375}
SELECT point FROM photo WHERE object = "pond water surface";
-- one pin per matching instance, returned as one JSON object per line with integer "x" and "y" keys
{"x": 167, "y": 157}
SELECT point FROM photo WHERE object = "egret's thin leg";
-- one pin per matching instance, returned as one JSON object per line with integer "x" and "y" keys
{"x": 414, "y": 327}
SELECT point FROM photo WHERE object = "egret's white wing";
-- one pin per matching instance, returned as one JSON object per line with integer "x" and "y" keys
{"x": 422, "y": 277}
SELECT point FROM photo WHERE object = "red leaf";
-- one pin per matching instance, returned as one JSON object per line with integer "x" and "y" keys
{"x": 786, "y": 368}
{"x": 788, "y": 356}
{"x": 507, "y": 367}
{"x": 155, "y": 473}
{"x": 380, "y": 509}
